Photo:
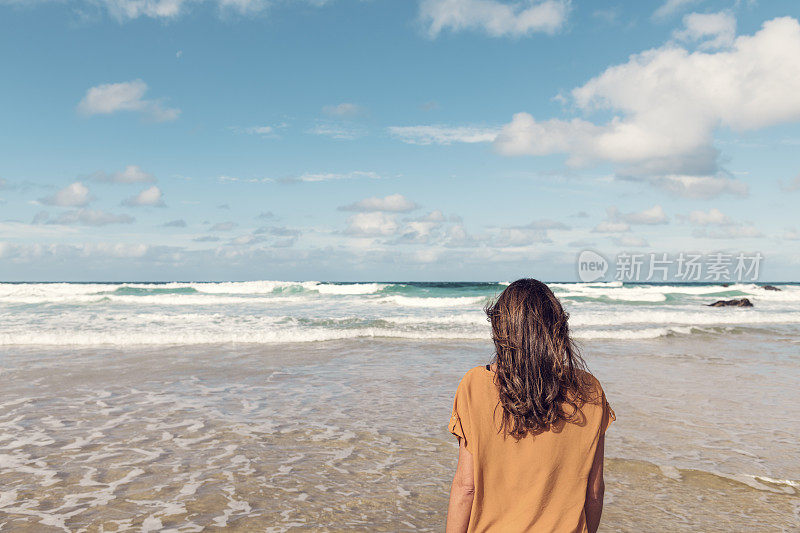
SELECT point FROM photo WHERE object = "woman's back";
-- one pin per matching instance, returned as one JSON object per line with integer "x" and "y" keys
{"x": 536, "y": 483}
{"x": 531, "y": 426}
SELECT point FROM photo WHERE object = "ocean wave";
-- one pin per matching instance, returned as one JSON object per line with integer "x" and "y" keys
{"x": 682, "y": 316}
{"x": 411, "y": 301}
{"x": 278, "y": 336}
{"x": 631, "y": 334}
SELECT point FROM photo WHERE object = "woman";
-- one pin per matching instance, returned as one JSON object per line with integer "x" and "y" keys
{"x": 530, "y": 426}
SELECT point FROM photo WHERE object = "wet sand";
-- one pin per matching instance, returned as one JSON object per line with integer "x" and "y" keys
{"x": 351, "y": 435}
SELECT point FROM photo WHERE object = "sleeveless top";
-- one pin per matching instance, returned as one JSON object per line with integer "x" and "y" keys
{"x": 537, "y": 483}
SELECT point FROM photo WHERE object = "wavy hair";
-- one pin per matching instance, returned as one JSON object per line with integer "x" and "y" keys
{"x": 540, "y": 371}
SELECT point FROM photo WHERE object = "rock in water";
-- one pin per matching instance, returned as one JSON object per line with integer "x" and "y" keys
{"x": 742, "y": 302}
{"x": 770, "y": 288}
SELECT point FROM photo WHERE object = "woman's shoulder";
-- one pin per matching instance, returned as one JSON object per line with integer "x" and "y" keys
{"x": 473, "y": 376}
{"x": 591, "y": 386}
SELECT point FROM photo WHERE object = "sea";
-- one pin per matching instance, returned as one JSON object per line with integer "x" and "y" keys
{"x": 319, "y": 406}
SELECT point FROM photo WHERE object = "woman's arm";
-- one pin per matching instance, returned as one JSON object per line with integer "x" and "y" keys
{"x": 461, "y": 492}
{"x": 595, "y": 489}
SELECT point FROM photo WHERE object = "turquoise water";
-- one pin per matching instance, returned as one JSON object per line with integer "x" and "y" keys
{"x": 297, "y": 406}
{"x": 260, "y": 312}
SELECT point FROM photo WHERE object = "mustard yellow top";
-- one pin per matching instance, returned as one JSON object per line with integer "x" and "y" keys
{"x": 537, "y": 483}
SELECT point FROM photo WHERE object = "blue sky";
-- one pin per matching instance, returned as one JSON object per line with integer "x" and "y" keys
{"x": 364, "y": 140}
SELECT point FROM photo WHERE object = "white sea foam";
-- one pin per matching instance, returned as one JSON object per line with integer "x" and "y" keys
{"x": 459, "y": 301}
{"x": 287, "y": 311}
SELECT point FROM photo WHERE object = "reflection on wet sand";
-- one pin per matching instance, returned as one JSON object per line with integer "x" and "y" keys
{"x": 344, "y": 436}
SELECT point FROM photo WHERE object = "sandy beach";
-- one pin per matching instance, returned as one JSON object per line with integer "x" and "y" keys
{"x": 350, "y": 434}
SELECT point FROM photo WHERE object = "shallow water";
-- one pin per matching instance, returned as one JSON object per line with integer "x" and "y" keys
{"x": 350, "y": 435}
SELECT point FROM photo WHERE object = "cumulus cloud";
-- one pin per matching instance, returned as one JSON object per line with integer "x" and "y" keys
{"x": 736, "y": 231}
{"x": 149, "y": 197}
{"x": 709, "y": 30}
{"x": 516, "y": 236}
{"x": 494, "y": 17}
{"x": 700, "y": 187}
{"x": 546, "y": 223}
{"x": 652, "y": 216}
{"x": 438, "y": 134}
{"x": 131, "y": 174}
{"x": 667, "y": 103}
{"x": 396, "y": 203}
{"x": 619, "y": 222}
{"x": 712, "y": 217}
{"x": 126, "y": 96}
{"x": 73, "y": 195}
{"x": 91, "y": 217}
{"x": 371, "y": 224}
{"x": 277, "y": 231}
{"x": 714, "y": 224}
{"x": 610, "y": 226}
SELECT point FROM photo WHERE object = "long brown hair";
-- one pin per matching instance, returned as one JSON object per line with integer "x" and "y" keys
{"x": 540, "y": 372}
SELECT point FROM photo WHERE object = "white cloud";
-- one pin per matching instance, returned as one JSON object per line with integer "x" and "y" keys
{"x": 546, "y": 224}
{"x": 438, "y": 134}
{"x": 791, "y": 234}
{"x": 90, "y": 217}
{"x": 711, "y": 30}
{"x": 260, "y": 130}
{"x": 374, "y": 223}
{"x": 701, "y": 187}
{"x": 126, "y": 96}
{"x": 131, "y": 174}
{"x": 396, "y": 203}
{"x": 714, "y": 224}
{"x": 73, "y": 195}
{"x": 618, "y": 222}
{"x": 516, "y": 236}
{"x": 652, "y": 216}
{"x": 149, "y": 197}
{"x": 670, "y": 7}
{"x": 244, "y": 7}
{"x": 494, "y": 17}
{"x": 131, "y": 9}
{"x": 736, "y": 231}
{"x": 329, "y": 176}
{"x": 668, "y": 102}
{"x": 712, "y": 217}
{"x": 345, "y": 109}
{"x": 609, "y": 226}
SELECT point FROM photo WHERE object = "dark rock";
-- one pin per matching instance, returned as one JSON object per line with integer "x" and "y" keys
{"x": 726, "y": 284}
{"x": 742, "y": 302}
{"x": 770, "y": 288}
